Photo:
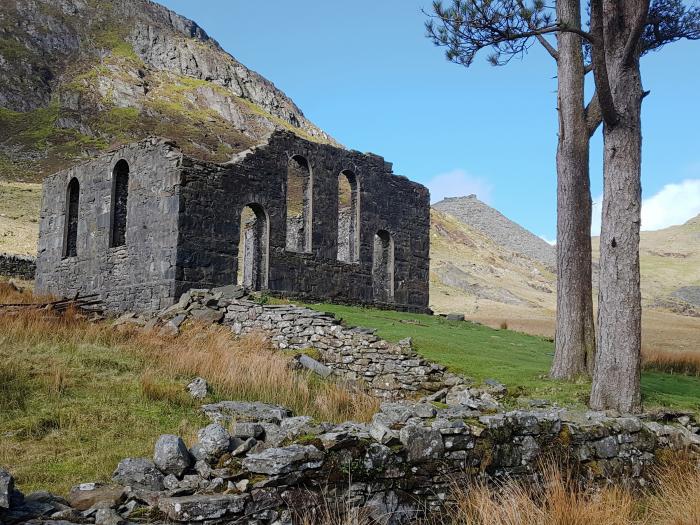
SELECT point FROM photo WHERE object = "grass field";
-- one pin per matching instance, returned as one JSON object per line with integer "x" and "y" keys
{"x": 520, "y": 361}
{"x": 77, "y": 397}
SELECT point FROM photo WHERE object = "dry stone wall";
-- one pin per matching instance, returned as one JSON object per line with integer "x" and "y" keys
{"x": 20, "y": 266}
{"x": 259, "y": 464}
{"x": 389, "y": 370}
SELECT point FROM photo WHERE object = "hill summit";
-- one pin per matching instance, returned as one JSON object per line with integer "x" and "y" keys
{"x": 504, "y": 232}
{"x": 81, "y": 76}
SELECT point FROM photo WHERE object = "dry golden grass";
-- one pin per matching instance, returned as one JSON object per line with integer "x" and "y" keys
{"x": 246, "y": 368}
{"x": 559, "y": 502}
{"x": 249, "y": 368}
{"x": 680, "y": 362}
{"x": 677, "y": 498}
{"x": 76, "y": 397}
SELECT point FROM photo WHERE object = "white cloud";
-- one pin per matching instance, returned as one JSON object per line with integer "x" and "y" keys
{"x": 458, "y": 183}
{"x": 674, "y": 204}
{"x": 548, "y": 241}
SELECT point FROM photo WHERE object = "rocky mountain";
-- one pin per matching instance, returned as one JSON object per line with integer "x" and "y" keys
{"x": 504, "y": 232}
{"x": 472, "y": 271}
{"x": 482, "y": 260}
{"x": 80, "y": 76}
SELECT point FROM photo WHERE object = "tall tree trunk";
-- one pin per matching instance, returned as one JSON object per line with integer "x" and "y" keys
{"x": 616, "y": 380}
{"x": 575, "y": 335}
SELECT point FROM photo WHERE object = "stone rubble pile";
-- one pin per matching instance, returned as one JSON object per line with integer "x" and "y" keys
{"x": 258, "y": 463}
{"x": 388, "y": 370}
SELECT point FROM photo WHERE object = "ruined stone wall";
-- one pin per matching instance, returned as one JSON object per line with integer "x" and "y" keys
{"x": 389, "y": 370}
{"x": 213, "y": 198}
{"x": 138, "y": 276}
{"x": 257, "y": 463}
{"x": 20, "y": 266}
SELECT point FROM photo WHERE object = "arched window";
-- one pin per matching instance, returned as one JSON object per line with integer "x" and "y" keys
{"x": 120, "y": 195}
{"x": 383, "y": 267}
{"x": 299, "y": 204}
{"x": 253, "y": 248}
{"x": 70, "y": 244}
{"x": 348, "y": 218}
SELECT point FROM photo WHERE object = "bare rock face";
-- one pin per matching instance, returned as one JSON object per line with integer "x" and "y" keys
{"x": 80, "y": 66}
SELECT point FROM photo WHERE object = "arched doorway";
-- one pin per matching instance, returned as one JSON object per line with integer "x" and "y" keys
{"x": 383, "y": 267}
{"x": 253, "y": 248}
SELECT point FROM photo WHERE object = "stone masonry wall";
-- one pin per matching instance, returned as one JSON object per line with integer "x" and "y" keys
{"x": 20, "y": 266}
{"x": 138, "y": 276}
{"x": 214, "y": 196}
{"x": 257, "y": 463}
{"x": 184, "y": 219}
{"x": 389, "y": 370}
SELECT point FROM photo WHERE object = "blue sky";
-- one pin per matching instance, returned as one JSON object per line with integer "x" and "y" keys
{"x": 364, "y": 72}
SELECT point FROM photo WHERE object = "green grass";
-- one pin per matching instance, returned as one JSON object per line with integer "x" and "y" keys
{"x": 518, "y": 360}
{"x": 70, "y": 412}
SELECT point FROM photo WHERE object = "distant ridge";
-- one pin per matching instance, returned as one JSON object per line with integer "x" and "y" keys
{"x": 482, "y": 217}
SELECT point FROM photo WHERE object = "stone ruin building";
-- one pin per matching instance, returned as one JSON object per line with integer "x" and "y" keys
{"x": 143, "y": 224}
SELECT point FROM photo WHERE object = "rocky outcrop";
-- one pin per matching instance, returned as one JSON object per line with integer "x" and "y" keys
{"x": 86, "y": 75}
{"x": 398, "y": 468}
{"x": 387, "y": 370}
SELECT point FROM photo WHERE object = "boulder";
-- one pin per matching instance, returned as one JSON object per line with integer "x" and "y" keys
{"x": 494, "y": 387}
{"x": 171, "y": 455}
{"x": 207, "y": 315}
{"x": 292, "y": 427}
{"x": 276, "y": 461}
{"x": 231, "y": 292}
{"x": 138, "y": 473}
{"x": 198, "y": 388}
{"x": 202, "y": 508}
{"x": 85, "y": 495}
{"x": 315, "y": 366}
{"x": 455, "y": 317}
{"x": 421, "y": 443}
{"x": 244, "y": 447}
{"x": 214, "y": 441}
{"x": 203, "y": 469}
{"x": 386, "y": 508}
{"x": 381, "y": 429}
